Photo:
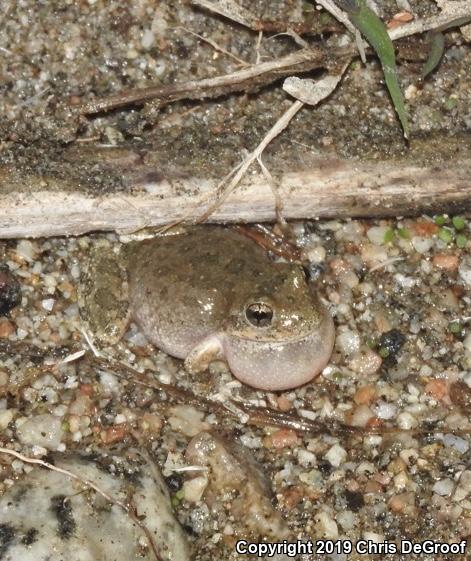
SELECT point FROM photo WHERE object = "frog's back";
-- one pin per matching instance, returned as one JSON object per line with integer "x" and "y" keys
{"x": 181, "y": 286}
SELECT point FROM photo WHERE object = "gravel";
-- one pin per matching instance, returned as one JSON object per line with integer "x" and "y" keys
{"x": 376, "y": 276}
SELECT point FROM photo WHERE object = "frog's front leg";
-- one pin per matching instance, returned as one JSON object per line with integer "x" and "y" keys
{"x": 206, "y": 351}
{"x": 103, "y": 295}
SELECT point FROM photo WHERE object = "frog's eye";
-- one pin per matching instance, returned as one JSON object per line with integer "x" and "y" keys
{"x": 259, "y": 314}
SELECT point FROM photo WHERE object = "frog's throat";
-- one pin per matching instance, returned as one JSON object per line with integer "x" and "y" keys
{"x": 206, "y": 351}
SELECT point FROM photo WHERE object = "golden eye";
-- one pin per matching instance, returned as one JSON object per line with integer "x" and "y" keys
{"x": 259, "y": 314}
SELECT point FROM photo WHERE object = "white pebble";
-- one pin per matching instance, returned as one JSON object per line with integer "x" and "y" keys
{"x": 347, "y": 519}
{"x": 373, "y": 537}
{"x": 385, "y": 410}
{"x": 254, "y": 442}
{"x": 405, "y": 282}
{"x": 187, "y": 420}
{"x": 336, "y": 455}
{"x": 348, "y": 342}
{"x": 306, "y": 458}
{"x": 467, "y": 342}
{"x": 456, "y": 442}
{"x": 422, "y": 245}
{"x": 48, "y": 304}
{"x": 6, "y": 417}
{"x": 193, "y": 489}
{"x": 316, "y": 254}
{"x": 27, "y": 250}
{"x": 326, "y": 526}
{"x": 148, "y": 39}
{"x": 443, "y": 487}
{"x": 406, "y": 421}
{"x": 361, "y": 415}
{"x": 463, "y": 488}
{"x": 41, "y": 430}
{"x": 21, "y": 333}
{"x": 376, "y": 234}
{"x": 465, "y": 270}
{"x": 110, "y": 383}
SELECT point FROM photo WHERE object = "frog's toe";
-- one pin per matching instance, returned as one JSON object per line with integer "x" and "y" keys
{"x": 206, "y": 351}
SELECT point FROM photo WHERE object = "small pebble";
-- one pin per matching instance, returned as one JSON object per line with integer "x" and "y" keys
{"x": 465, "y": 270}
{"x": 376, "y": 234}
{"x": 6, "y": 416}
{"x": 193, "y": 489}
{"x": 443, "y": 487}
{"x": 463, "y": 488}
{"x": 348, "y": 342}
{"x": 422, "y": 245}
{"x": 336, "y": 455}
{"x": 365, "y": 363}
{"x": 282, "y": 438}
{"x": 7, "y": 328}
{"x": 365, "y": 395}
{"x": 41, "y": 430}
{"x": 326, "y": 526}
{"x": 445, "y": 261}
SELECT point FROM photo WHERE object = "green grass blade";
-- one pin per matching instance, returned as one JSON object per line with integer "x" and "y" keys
{"x": 437, "y": 47}
{"x": 375, "y": 32}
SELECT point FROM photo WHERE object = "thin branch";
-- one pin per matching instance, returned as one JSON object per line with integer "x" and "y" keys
{"x": 456, "y": 14}
{"x": 93, "y": 486}
{"x": 222, "y": 194}
{"x": 246, "y": 79}
{"x": 242, "y": 412}
{"x": 338, "y": 14}
{"x": 249, "y": 414}
{"x": 314, "y": 92}
{"x": 249, "y": 79}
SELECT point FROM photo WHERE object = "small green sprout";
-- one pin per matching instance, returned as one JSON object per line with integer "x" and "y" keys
{"x": 455, "y": 327}
{"x": 389, "y": 235}
{"x": 440, "y": 219}
{"x": 446, "y": 235}
{"x": 383, "y": 352}
{"x": 403, "y": 233}
{"x": 458, "y": 222}
{"x": 461, "y": 241}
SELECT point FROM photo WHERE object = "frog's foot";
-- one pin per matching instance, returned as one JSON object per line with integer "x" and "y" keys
{"x": 103, "y": 296}
{"x": 206, "y": 351}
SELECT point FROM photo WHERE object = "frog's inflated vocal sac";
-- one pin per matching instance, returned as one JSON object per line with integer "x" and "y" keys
{"x": 209, "y": 294}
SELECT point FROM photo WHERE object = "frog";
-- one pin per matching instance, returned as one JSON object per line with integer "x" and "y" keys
{"x": 207, "y": 294}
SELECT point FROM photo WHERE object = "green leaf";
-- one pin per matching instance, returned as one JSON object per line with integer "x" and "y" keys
{"x": 403, "y": 233}
{"x": 375, "y": 32}
{"x": 446, "y": 235}
{"x": 458, "y": 222}
{"x": 437, "y": 47}
{"x": 461, "y": 241}
{"x": 440, "y": 220}
{"x": 389, "y": 235}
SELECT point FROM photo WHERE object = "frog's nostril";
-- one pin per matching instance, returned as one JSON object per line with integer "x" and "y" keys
{"x": 259, "y": 314}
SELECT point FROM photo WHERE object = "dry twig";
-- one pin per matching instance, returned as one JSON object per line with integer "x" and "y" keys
{"x": 249, "y": 79}
{"x": 222, "y": 193}
{"x": 246, "y": 79}
{"x": 249, "y": 414}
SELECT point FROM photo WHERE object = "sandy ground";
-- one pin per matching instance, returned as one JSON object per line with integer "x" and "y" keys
{"x": 399, "y": 290}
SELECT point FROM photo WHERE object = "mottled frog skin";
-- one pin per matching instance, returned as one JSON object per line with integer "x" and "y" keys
{"x": 208, "y": 294}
